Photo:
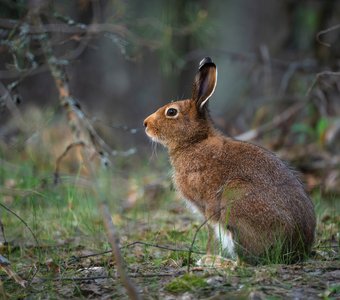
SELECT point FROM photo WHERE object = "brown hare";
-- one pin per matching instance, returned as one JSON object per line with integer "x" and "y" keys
{"x": 252, "y": 201}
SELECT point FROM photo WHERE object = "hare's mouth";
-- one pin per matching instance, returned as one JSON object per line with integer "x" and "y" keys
{"x": 152, "y": 136}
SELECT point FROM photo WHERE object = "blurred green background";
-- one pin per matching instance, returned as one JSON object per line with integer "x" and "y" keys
{"x": 144, "y": 54}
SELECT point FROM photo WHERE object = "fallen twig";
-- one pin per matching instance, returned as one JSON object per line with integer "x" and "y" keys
{"x": 76, "y": 258}
{"x": 161, "y": 247}
{"x": 5, "y": 265}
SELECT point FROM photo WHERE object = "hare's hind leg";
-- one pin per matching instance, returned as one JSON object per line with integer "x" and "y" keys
{"x": 226, "y": 240}
{"x": 227, "y": 247}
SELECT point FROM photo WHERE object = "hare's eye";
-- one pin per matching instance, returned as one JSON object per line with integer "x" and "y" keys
{"x": 171, "y": 112}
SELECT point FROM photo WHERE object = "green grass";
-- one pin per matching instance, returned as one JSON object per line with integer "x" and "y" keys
{"x": 66, "y": 221}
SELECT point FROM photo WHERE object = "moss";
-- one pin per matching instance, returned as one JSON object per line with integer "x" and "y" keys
{"x": 185, "y": 283}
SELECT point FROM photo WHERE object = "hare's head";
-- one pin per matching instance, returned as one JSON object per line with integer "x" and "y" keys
{"x": 186, "y": 121}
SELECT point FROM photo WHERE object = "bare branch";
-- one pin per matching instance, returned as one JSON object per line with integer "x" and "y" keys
{"x": 276, "y": 121}
{"x": 322, "y": 32}
{"x": 94, "y": 28}
{"x": 317, "y": 78}
{"x": 61, "y": 157}
{"x": 160, "y": 247}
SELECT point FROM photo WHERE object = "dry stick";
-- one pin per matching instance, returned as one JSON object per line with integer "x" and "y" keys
{"x": 76, "y": 258}
{"x": 277, "y": 120}
{"x": 324, "y": 32}
{"x": 160, "y": 247}
{"x": 318, "y": 77}
{"x": 113, "y": 239}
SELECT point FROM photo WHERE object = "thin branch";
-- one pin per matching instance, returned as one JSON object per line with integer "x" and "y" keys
{"x": 317, "y": 78}
{"x": 61, "y": 157}
{"x": 291, "y": 70}
{"x": 78, "y": 28}
{"x": 285, "y": 115}
{"x": 132, "y": 130}
{"x": 267, "y": 69}
{"x": 322, "y": 32}
{"x": 77, "y": 258}
{"x": 22, "y": 221}
{"x": 305, "y": 65}
{"x": 113, "y": 239}
{"x": 29, "y": 229}
{"x": 161, "y": 247}
{"x": 276, "y": 121}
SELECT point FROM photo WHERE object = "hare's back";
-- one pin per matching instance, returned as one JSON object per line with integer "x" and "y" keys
{"x": 269, "y": 200}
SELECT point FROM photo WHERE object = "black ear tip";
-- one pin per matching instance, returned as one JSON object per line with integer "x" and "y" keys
{"x": 204, "y": 61}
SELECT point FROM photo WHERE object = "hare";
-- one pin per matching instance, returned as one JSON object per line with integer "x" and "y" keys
{"x": 251, "y": 200}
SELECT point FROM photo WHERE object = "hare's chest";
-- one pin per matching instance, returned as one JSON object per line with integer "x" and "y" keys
{"x": 193, "y": 188}
{"x": 187, "y": 182}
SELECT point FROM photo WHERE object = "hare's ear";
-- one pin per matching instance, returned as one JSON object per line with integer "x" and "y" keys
{"x": 205, "y": 82}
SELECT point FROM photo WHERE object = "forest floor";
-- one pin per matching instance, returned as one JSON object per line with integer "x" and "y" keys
{"x": 68, "y": 257}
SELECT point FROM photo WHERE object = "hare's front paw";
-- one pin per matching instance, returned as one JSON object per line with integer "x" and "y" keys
{"x": 217, "y": 261}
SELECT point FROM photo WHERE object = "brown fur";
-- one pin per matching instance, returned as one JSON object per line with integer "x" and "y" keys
{"x": 242, "y": 186}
